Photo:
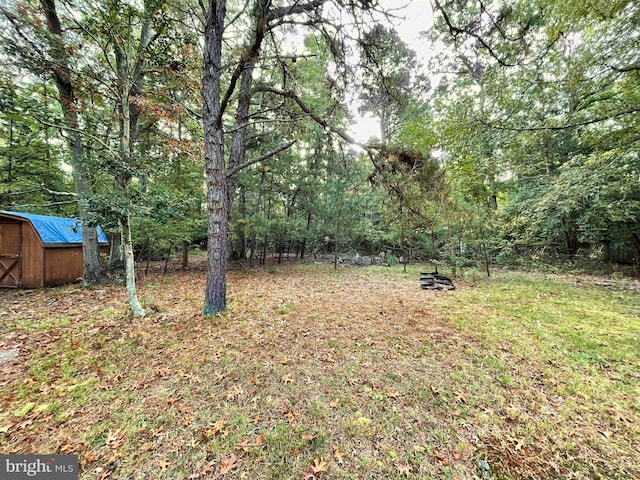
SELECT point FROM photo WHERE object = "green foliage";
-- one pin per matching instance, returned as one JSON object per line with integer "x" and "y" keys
{"x": 529, "y": 150}
{"x": 594, "y": 200}
{"x": 543, "y": 119}
{"x": 30, "y": 165}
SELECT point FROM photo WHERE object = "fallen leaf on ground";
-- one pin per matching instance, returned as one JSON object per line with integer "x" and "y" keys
{"x": 213, "y": 429}
{"x": 318, "y": 466}
{"x": 204, "y": 470}
{"x": 67, "y": 447}
{"x": 311, "y": 437}
{"x": 89, "y": 457}
{"x": 228, "y": 463}
{"x": 248, "y": 445}
{"x": 338, "y": 454}
{"x": 291, "y": 416}
{"x": 163, "y": 464}
{"x": 391, "y": 393}
{"x": 619, "y": 416}
{"x": 113, "y": 439}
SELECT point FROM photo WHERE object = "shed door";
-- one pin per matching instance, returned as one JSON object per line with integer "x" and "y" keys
{"x": 10, "y": 255}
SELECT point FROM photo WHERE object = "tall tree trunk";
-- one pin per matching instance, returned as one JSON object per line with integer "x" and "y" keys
{"x": 116, "y": 258}
{"x": 252, "y": 248}
{"x": 338, "y": 233}
{"x": 125, "y": 222}
{"x": 220, "y": 177}
{"x": 124, "y": 180}
{"x": 10, "y": 153}
{"x": 218, "y": 206}
{"x": 215, "y": 291}
{"x": 185, "y": 254}
{"x": 92, "y": 266}
{"x": 242, "y": 232}
{"x": 130, "y": 269}
{"x": 452, "y": 252}
{"x": 303, "y": 246}
{"x": 256, "y": 212}
{"x": 636, "y": 244}
{"x": 131, "y": 77}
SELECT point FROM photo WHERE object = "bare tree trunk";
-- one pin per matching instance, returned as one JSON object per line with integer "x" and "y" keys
{"x": 185, "y": 255}
{"x": 256, "y": 212}
{"x": 149, "y": 250}
{"x": 92, "y": 266}
{"x": 130, "y": 268}
{"x": 218, "y": 206}
{"x": 215, "y": 291}
{"x": 220, "y": 180}
{"x": 303, "y": 246}
{"x": 125, "y": 222}
{"x": 116, "y": 259}
{"x": 338, "y": 227}
{"x": 452, "y": 252}
{"x": 166, "y": 261}
{"x": 124, "y": 181}
{"x": 220, "y": 177}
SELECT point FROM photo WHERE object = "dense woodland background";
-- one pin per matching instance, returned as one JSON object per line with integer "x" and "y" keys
{"x": 517, "y": 143}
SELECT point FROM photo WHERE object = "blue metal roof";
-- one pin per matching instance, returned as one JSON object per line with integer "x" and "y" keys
{"x": 56, "y": 229}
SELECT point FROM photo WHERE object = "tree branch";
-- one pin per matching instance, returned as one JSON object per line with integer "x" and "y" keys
{"x": 315, "y": 117}
{"x": 558, "y": 127}
{"x": 296, "y": 8}
{"x": 231, "y": 172}
{"x": 81, "y": 132}
{"x": 455, "y": 31}
{"x": 53, "y": 192}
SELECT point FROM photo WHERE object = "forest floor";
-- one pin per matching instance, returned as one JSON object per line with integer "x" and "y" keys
{"x": 315, "y": 373}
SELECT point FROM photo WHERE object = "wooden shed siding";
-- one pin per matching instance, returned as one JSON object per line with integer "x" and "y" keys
{"x": 10, "y": 242}
{"x": 62, "y": 265}
{"x": 40, "y": 265}
{"x": 32, "y": 257}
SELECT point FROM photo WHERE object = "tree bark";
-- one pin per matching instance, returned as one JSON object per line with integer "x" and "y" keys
{"x": 116, "y": 258}
{"x": 220, "y": 186}
{"x": 126, "y": 84}
{"x": 93, "y": 272}
{"x": 220, "y": 176}
{"x": 130, "y": 269}
{"x": 217, "y": 198}
{"x": 185, "y": 254}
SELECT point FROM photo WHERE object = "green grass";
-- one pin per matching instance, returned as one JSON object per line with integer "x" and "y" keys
{"x": 514, "y": 376}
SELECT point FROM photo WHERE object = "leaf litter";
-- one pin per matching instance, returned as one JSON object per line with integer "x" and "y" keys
{"x": 362, "y": 373}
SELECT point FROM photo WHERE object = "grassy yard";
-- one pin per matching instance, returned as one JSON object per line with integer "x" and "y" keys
{"x": 320, "y": 374}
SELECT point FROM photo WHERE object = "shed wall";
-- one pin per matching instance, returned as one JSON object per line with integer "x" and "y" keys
{"x": 38, "y": 265}
{"x": 19, "y": 237}
{"x": 10, "y": 259}
{"x": 62, "y": 265}
{"x": 32, "y": 257}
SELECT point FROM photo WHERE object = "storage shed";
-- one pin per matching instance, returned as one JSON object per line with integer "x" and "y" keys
{"x": 40, "y": 251}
